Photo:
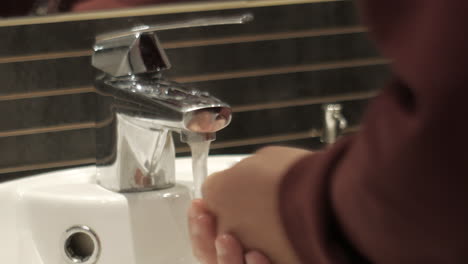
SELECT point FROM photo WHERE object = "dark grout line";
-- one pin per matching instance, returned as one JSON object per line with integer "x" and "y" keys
{"x": 259, "y": 140}
{"x": 49, "y": 165}
{"x": 374, "y": 61}
{"x": 217, "y": 145}
{"x": 49, "y": 129}
{"x": 305, "y": 101}
{"x": 199, "y": 43}
{"x": 46, "y": 56}
{"x": 160, "y": 9}
{"x": 314, "y": 133}
{"x": 266, "y": 37}
{"x": 38, "y": 94}
{"x": 217, "y": 76}
{"x": 236, "y": 109}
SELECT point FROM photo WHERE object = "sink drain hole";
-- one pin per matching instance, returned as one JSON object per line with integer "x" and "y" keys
{"x": 81, "y": 245}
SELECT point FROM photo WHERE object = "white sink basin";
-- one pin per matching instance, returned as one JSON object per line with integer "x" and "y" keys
{"x": 64, "y": 217}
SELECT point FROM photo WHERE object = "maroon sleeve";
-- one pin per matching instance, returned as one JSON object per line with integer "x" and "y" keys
{"x": 396, "y": 192}
{"x": 10, "y": 8}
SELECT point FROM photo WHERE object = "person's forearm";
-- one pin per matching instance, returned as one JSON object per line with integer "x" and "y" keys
{"x": 396, "y": 192}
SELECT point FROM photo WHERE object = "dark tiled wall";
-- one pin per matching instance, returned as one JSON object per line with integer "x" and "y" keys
{"x": 75, "y": 36}
{"x": 275, "y": 72}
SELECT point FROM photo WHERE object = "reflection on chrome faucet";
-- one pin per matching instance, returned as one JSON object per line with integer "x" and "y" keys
{"x": 138, "y": 154}
{"x": 334, "y": 123}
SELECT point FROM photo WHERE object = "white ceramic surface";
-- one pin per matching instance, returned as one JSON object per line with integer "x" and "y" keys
{"x": 132, "y": 228}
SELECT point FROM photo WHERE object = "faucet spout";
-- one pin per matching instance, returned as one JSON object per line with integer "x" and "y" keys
{"x": 157, "y": 102}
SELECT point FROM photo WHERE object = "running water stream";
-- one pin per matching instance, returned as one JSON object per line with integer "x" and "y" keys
{"x": 200, "y": 150}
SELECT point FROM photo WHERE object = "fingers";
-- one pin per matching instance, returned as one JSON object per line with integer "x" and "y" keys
{"x": 209, "y": 248}
{"x": 202, "y": 228}
{"x": 228, "y": 250}
{"x": 255, "y": 257}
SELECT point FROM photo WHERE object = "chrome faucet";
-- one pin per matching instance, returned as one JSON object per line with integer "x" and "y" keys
{"x": 334, "y": 123}
{"x": 138, "y": 153}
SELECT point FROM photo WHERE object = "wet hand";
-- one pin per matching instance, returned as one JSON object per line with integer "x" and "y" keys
{"x": 244, "y": 200}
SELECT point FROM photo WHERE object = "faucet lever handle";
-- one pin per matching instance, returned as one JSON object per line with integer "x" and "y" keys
{"x": 199, "y": 22}
{"x": 334, "y": 123}
{"x": 138, "y": 50}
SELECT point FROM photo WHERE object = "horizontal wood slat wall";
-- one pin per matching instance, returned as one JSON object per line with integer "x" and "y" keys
{"x": 276, "y": 72}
